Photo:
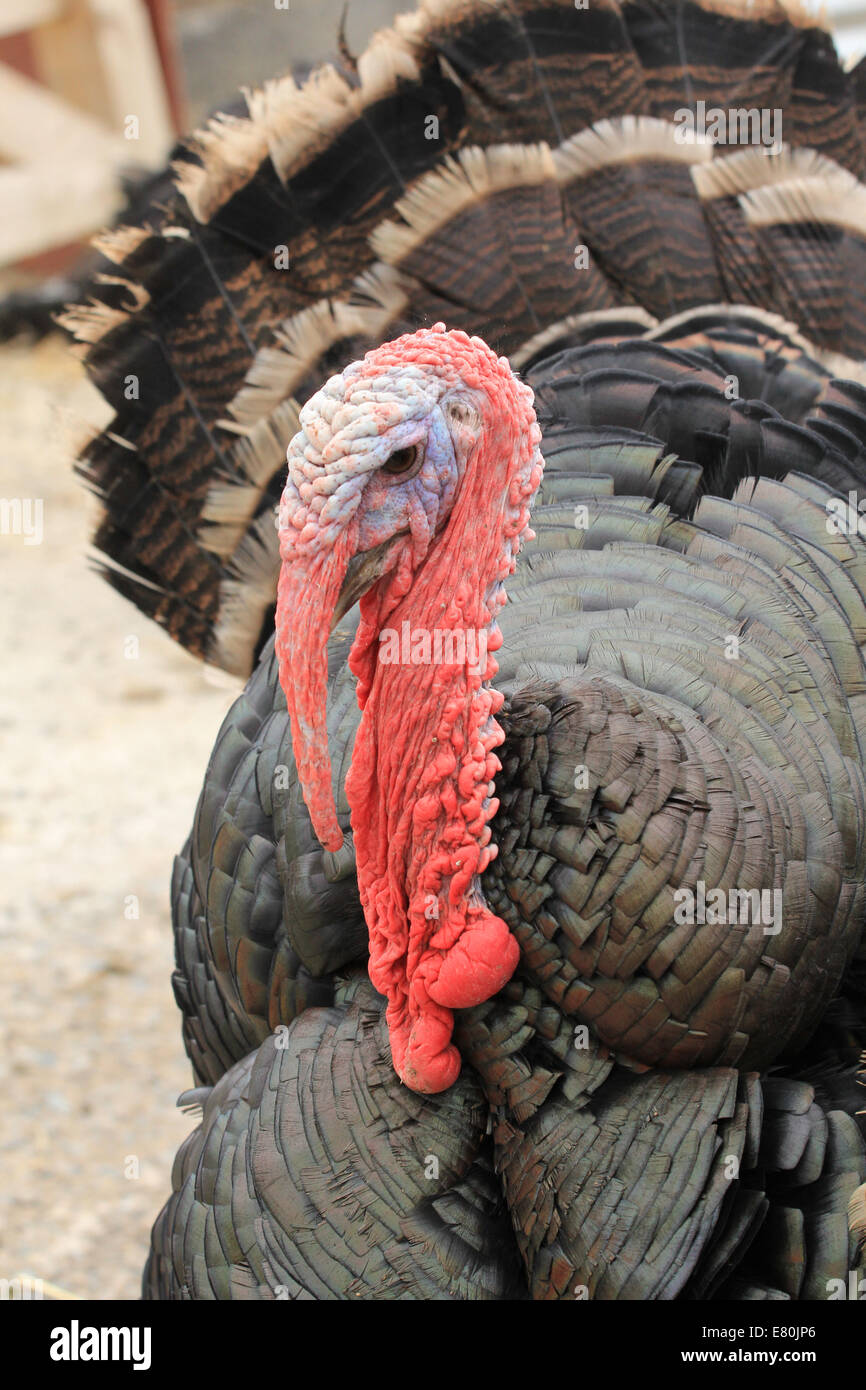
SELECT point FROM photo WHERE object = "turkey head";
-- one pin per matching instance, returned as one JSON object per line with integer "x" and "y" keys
{"x": 409, "y": 487}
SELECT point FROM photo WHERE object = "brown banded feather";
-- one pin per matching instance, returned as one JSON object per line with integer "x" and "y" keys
{"x": 220, "y": 338}
{"x": 822, "y": 111}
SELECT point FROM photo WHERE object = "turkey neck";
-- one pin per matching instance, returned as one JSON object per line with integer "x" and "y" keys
{"x": 420, "y": 786}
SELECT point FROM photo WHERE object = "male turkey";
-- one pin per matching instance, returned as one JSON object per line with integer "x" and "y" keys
{"x": 563, "y": 1081}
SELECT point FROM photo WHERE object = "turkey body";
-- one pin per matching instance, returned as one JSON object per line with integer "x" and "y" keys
{"x": 661, "y": 1103}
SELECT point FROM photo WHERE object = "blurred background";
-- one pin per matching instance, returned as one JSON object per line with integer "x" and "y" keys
{"x": 105, "y": 725}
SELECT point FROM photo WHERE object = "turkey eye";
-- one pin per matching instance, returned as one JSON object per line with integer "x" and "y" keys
{"x": 402, "y": 460}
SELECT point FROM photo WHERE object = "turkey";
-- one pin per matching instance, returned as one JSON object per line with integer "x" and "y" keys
{"x": 519, "y": 934}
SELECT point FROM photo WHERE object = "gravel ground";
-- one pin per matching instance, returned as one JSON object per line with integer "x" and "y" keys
{"x": 101, "y": 759}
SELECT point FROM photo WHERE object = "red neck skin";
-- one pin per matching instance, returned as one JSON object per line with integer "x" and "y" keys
{"x": 421, "y": 781}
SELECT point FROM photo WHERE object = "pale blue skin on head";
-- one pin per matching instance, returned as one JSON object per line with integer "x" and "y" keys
{"x": 337, "y": 461}
{"x": 421, "y": 503}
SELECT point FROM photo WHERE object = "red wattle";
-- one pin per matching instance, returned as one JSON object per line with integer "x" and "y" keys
{"x": 421, "y": 781}
{"x": 479, "y": 963}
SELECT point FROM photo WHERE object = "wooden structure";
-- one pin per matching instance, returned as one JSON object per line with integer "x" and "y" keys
{"x": 87, "y": 87}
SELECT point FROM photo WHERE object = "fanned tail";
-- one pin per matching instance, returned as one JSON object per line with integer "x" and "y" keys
{"x": 513, "y": 167}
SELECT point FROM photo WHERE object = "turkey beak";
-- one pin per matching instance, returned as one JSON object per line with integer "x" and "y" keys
{"x": 361, "y": 574}
{"x": 312, "y": 597}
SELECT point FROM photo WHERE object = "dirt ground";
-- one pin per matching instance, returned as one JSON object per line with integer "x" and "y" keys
{"x": 102, "y": 754}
